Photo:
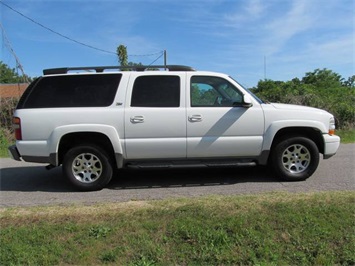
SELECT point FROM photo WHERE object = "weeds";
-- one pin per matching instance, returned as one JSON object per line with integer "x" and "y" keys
{"x": 275, "y": 228}
{"x": 99, "y": 231}
{"x": 7, "y": 106}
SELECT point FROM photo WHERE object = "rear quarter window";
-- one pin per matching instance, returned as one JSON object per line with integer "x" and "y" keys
{"x": 72, "y": 91}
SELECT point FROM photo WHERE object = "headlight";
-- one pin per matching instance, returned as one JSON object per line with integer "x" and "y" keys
{"x": 331, "y": 126}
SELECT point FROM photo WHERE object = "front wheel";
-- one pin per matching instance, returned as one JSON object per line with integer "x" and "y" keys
{"x": 295, "y": 158}
{"x": 88, "y": 168}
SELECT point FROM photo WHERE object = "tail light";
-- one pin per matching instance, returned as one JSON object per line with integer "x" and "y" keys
{"x": 16, "y": 124}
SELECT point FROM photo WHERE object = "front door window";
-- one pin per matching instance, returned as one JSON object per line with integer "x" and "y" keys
{"x": 209, "y": 91}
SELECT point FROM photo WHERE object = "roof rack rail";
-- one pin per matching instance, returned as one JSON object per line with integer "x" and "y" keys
{"x": 99, "y": 69}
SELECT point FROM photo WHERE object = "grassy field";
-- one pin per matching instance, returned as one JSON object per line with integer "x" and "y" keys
{"x": 267, "y": 229}
{"x": 347, "y": 136}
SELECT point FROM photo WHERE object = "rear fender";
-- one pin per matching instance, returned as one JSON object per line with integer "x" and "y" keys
{"x": 109, "y": 131}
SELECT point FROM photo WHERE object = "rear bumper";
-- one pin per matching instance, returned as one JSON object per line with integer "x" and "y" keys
{"x": 14, "y": 154}
{"x": 331, "y": 145}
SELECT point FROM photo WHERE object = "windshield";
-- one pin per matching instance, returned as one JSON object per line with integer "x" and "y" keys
{"x": 249, "y": 91}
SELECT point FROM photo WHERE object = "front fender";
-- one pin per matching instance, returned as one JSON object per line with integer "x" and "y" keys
{"x": 275, "y": 127}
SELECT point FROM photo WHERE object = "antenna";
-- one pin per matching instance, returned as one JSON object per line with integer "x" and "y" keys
{"x": 264, "y": 67}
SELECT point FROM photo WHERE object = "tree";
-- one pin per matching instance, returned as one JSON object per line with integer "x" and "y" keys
{"x": 350, "y": 82}
{"x": 323, "y": 79}
{"x": 122, "y": 55}
{"x": 9, "y": 75}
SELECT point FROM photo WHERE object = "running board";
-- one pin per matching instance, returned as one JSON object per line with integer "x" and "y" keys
{"x": 189, "y": 165}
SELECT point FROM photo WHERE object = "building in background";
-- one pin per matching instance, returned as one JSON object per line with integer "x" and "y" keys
{"x": 12, "y": 90}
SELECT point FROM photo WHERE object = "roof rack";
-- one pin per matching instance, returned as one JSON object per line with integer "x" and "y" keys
{"x": 99, "y": 69}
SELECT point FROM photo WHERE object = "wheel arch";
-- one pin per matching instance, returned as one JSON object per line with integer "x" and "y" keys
{"x": 312, "y": 133}
{"x": 73, "y": 139}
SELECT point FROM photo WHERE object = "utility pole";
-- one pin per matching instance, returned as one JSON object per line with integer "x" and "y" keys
{"x": 165, "y": 59}
{"x": 8, "y": 45}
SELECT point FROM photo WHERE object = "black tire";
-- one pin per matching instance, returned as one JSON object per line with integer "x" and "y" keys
{"x": 88, "y": 168}
{"x": 295, "y": 158}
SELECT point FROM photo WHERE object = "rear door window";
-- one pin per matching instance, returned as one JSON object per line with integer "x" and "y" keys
{"x": 156, "y": 91}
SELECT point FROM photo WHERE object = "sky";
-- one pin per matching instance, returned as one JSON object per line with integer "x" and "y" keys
{"x": 248, "y": 39}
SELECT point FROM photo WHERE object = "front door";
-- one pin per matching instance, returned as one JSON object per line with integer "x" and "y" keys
{"x": 214, "y": 127}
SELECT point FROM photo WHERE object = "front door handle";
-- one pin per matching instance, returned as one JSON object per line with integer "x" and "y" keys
{"x": 137, "y": 119}
{"x": 195, "y": 118}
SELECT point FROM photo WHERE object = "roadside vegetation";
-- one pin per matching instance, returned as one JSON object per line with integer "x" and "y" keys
{"x": 267, "y": 229}
{"x": 321, "y": 88}
{"x": 6, "y": 139}
{"x": 347, "y": 136}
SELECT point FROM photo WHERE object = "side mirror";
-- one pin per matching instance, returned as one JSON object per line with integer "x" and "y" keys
{"x": 247, "y": 103}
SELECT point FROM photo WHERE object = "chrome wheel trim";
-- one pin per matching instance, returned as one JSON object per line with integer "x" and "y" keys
{"x": 87, "y": 168}
{"x": 296, "y": 158}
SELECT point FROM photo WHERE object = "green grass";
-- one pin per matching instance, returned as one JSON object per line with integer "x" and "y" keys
{"x": 347, "y": 136}
{"x": 267, "y": 229}
{"x": 6, "y": 140}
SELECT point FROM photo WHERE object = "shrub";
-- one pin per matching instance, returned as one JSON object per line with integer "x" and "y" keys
{"x": 8, "y": 106}
{"x": 339, "y": 101}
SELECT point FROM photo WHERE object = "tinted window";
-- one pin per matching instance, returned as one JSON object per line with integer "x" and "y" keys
{"x": 156, "y": 91}
{"x": 73, "y": 91}
{"x": 207, "y": 91}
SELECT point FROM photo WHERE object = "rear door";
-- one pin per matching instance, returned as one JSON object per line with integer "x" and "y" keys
{"x": 155, "y": 116}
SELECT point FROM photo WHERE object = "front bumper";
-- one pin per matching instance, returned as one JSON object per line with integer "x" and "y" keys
{"x": 14, "y": 154}
{"x": 331, "y": 145}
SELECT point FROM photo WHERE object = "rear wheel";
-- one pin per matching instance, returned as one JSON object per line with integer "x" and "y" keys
{"x": 295, "y": 158}
{"x": 88, "y": 168}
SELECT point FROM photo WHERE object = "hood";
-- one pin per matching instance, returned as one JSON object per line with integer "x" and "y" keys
{"x": 284, "y": 106}
{"x": 296, "y": 116}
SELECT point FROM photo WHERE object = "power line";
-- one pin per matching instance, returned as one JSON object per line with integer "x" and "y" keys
{"x": 66, "y": 37}
{"x": 160, "y": 52}
{"x": 55, "y": 32}
{"x": 156, "y": 59}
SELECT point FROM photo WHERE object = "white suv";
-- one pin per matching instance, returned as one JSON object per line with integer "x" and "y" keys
{"x": 93, "y": 120}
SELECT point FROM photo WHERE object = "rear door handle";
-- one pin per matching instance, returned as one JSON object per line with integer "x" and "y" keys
{"x": 137, "y": 119}
{"x": 195, "y": 118}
